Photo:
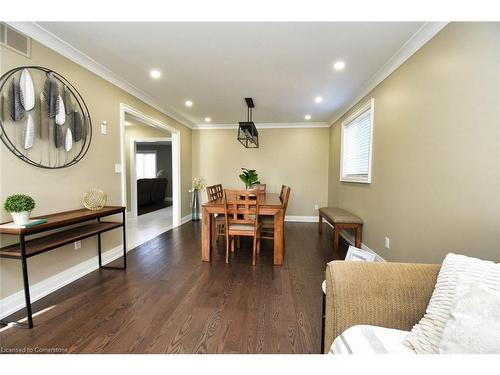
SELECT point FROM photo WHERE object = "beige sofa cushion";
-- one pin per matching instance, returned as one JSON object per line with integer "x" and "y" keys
{"x": 339, "y": 215}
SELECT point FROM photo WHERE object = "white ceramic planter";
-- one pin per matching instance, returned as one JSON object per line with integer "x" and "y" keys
{"x": 21, "y": 218}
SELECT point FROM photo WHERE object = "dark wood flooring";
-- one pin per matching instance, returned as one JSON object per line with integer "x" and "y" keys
{"x": 169, "y": 301}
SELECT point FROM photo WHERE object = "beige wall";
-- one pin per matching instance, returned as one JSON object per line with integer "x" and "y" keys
{"x": 294, "y": 157}
{"x": 139, "y": 131}
{"x": 58, "y": 190}
{"x": 436, "y": 152}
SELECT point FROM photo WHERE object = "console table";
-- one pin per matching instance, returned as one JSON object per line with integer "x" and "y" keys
{"x": 26, "y": 248}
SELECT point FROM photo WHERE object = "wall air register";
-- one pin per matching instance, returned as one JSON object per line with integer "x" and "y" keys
{"x": 247, "y": 132}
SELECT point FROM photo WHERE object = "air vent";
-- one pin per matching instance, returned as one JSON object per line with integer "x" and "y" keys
{"x": 14, "y": 40}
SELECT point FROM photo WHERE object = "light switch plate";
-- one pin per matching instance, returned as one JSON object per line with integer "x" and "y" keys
{"x": 104, "y": 127}
{"x": 118, "y": 168}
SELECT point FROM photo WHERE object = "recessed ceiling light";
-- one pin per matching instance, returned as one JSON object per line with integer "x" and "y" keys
{"x": 318, "y": 99}
{"x": 208, "y": 119}
{"x": 188, "y": 103}
{"x": 155, "y": 74}
{"x": 339, "y": 65}
{"x": 307, "y": 117}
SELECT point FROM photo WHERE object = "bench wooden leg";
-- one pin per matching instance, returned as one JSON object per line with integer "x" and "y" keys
{"x": 358, "y": 236}
{"x": 336, "y": 234}
{"x": 320, "y": 221}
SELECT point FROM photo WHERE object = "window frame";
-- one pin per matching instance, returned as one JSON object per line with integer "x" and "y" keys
{"x": 146, "y": 152}
{"x": 369, "y": 105}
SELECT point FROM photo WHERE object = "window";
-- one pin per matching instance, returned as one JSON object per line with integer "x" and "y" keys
{"x": 145, "y": 164}
{"x": 356, "y": 145}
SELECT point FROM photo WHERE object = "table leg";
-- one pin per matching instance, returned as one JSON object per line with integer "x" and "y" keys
{"x": 336, "y": 235}
{"x": 26, "y": 282}
{"x": 205, "y": 235}
{"x": 124, "y": 240}
{"x": 278, "y": 237}
{"x": 27, "y": 298}
{"x": 358, "y": 236}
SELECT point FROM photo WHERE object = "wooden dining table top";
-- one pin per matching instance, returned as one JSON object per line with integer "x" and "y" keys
{"x": 266, "y": 199}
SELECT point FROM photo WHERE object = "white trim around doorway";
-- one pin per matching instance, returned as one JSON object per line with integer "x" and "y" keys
{"x": 176, "y": 158}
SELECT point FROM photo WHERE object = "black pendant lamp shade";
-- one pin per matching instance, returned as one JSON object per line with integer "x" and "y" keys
{"x": 248, "y": 134}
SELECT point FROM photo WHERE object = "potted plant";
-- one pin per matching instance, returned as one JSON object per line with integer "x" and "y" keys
{"x": 249, "y": 177}
{"x": 196, "y": 185}
{"x": 20, "y": 207}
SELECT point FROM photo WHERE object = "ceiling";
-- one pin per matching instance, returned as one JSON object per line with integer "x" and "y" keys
{"x": 283, "y": 66}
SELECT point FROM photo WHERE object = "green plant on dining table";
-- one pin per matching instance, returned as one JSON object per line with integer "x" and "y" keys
{"x": 249, "y": 177}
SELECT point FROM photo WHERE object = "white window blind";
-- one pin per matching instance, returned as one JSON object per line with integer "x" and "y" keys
{"x": 356, "y": 145}
{"x": 145, "y": 164}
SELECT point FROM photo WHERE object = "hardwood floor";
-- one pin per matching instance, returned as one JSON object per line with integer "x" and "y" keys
{"x": 169, "y": 301}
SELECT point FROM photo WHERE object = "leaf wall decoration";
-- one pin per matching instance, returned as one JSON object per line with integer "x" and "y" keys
{"x": 68, "y": 144}
{"x": 68, "y": 102}
{"x": 77, "y": 126}
{"x": 58, "y": 136}
{"x": 4, "y": 107}
{"x": 26, "y": 90}
{"x": 16, "y": 109}
{"x": 61, "y": 112}
{"x": 44, "y": 119}
{"x": 51, "y": 93}
{"x": 28, "y": 133}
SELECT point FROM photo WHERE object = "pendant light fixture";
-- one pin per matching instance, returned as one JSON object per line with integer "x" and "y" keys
{"x": 247, "y": 132}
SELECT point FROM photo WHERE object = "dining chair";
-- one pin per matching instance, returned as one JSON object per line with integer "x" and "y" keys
{"x": 241, "y": 213}
{"x": 215, "y": 192}
{"x": 268, "y": 221}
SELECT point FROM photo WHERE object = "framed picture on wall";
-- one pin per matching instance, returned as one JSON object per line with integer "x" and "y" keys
{"x": 357, "y": 255}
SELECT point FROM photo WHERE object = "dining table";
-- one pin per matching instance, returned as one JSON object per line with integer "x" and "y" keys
{"x": 269, "y": 205}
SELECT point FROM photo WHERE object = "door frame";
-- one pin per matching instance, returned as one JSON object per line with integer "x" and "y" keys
{"x": 133, "y": 172}
{"x": 176, "y": 157}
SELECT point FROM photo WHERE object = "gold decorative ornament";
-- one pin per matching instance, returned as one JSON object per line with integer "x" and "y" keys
{"x": 94, "y": 199}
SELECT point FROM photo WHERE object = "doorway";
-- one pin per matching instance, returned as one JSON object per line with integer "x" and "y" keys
{"x": 150, "y": 158}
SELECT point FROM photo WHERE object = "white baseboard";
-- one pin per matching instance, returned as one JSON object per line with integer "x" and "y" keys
{"x": 302, "y": 219}
{"x": 15, "y": 302}
{"x": 186, "y": 218}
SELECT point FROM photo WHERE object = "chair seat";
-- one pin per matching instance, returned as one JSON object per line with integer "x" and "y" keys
{"x": 339, "y": 215}
{"x": 242, "y": 227}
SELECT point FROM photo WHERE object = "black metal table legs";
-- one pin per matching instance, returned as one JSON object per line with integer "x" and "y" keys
{"x": 124, "y": 248}
{"x": 26, "y": 286}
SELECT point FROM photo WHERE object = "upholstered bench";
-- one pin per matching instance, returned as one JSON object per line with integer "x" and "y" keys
{"x": 340, "y": 219}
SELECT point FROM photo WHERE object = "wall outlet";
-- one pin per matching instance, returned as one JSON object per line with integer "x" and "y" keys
{"x": 316, "y": 207}
{"x": 118, "y": 168}
{"x": 78, "y": 245}
{"x": 387, "y": 242}
{"x": 104, "y": 127}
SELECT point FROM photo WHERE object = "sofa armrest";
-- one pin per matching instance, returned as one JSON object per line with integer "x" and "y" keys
{"x": 392, "y": 295}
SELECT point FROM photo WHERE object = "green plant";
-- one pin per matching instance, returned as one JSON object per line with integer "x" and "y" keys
{"x": 19, "y": 203}
{"x": 249, "y": 177}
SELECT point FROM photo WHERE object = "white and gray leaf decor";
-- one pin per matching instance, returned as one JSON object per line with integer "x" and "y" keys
{"x": 44, "y": 120}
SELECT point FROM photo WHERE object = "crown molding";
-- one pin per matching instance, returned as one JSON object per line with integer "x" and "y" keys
{"x": 425, "y": 33}
{"x": 45, "y": 37}
{"x": 265, "y": 125}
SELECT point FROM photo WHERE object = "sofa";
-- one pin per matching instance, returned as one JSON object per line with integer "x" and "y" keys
{"x": 391, "y": 295}
{"x": 151, "y": 191}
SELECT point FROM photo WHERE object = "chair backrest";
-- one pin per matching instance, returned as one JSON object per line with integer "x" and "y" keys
{"x": 241, "y": 207}
{"x": 214, "y": 192}
{"x": 286, "y": 196}
{"x": 282, "y": 192}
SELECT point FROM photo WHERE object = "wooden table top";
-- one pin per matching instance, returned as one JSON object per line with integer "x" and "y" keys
{"x": 266, "y": 199}
{"x": 61, "y": 219}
